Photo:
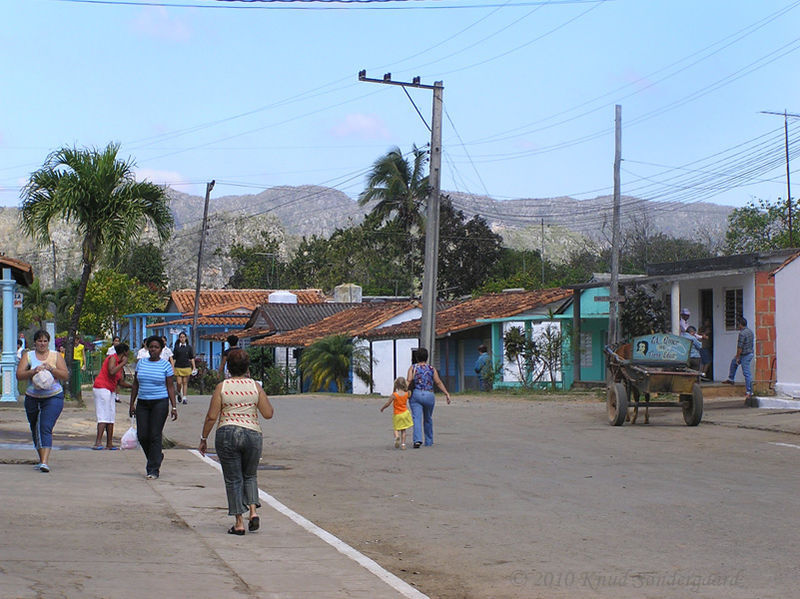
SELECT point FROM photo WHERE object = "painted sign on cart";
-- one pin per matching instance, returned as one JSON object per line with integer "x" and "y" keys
{"x": 661, "y": 347}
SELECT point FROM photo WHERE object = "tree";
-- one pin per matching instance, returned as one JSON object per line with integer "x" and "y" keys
{"x": 332, "y": 360}
{"x": 400, "y": 188}
{"x": 109, "y": 296}
{"x": 258, "y": 266}
{"x": 36, "y": 304}
{"x": 761, "y": 226}
{"x": 642, "y": 313}
{"x": 65, "y": 302}
{"x": 537, "y": 356}
{"x": 97, "y": 193}
{"x": 145, "y": 263}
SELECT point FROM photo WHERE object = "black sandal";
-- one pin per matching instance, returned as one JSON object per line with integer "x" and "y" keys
{"x": 254, "y": 523}
{"x": 233, "y": 531}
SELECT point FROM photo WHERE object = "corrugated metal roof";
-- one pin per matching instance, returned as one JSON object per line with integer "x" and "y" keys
{"x": 353, "y": 322}
{"x": 466, "y": 314}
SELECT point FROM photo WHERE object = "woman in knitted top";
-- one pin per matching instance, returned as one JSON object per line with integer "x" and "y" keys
{"x": 236, "y": 403}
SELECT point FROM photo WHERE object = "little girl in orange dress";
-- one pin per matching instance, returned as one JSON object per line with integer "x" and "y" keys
{"x": 401, "y": 420}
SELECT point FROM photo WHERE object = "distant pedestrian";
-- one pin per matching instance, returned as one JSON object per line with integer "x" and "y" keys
{"x": 44, "y": 370}
{"x": 684, "y": 319}
{"x": 694, "y": 349}
{"x": 143, "y": 353}
{"x": 166, "y": 353}
{"x": 154, "y": 388}
{"x": 422, "y": 399}
{"x": 110, "y": 377}
{"x": 745, "y": 344}
{"x": 184, "y": 364}
{"x": 235, "y": 403}
{"x": 401, "y": 417}
{"x": 233, "y": 343}
{"x": 482, "y": 368}
{"x": 706, "y": 334}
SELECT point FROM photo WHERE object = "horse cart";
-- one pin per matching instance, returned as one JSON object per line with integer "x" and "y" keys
{"x": 652, "y": 364}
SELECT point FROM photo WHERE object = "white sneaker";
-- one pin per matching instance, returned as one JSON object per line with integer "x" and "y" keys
{"x": 44, "y": 468}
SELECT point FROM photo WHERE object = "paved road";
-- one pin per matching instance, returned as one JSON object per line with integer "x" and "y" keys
{"x": 517, "y": 499}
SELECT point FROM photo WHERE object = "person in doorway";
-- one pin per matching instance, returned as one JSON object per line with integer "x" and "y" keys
{"x": 104, "y": 389}
{"x": 154, "y": 388}
{"x": 184, "y": 364}
{"x": 707, "y": 352}
{"x": 233, "y": 343}
{"x": 482, "y": 366}
{"x": 235, "y": 403}
{"x": 684, "y": 320}
{"x": 45, "y": 370}
{"x": 422, "y": 399}
{"x": 694, "y": 349}
{"x": 745, "y": 344}
{"x": 401, "y": 417}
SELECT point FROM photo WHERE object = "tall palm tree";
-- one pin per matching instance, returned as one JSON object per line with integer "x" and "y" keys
{"x": 97, "y": 193}
{"x": 399, "y": 187}
{"x": 36, "y": 304}
{"x": 331, "y": 360}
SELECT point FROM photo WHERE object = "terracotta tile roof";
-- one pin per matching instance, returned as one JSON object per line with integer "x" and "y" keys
{"x": 213, "y": 299}
{"x": 465, "y": 315}
{"x": 238, "y": 321}
{"x": 248, "y": 333}
{"x": 21, "y": 271}
{"x": 354, "y": 322}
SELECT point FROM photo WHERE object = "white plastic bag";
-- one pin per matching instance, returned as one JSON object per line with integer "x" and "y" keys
{"x": 129, "y": 439}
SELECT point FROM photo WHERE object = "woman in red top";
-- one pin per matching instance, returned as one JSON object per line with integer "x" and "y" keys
{"x": 104, "y": 388}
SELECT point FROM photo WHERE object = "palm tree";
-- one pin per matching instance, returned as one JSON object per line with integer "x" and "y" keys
{"x": 98, "y": 194}
{"x": 400, "y": 188}
{"x": 36, "y": 304}
{"x": 331, "y": 360}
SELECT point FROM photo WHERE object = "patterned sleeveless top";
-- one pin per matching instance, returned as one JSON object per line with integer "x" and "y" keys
{"x": 239, "y": 404}
{"x": 423, "y": 377}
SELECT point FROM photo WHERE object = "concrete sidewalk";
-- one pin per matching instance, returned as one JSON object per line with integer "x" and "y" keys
{"x": 94, "y": 527}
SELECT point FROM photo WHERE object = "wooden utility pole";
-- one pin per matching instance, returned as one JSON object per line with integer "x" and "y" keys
{"x": 195, "y": 336}
{"x": 427, "y": 337}
{"x": 613, "y": 304}
{"x": 786, "y": 116}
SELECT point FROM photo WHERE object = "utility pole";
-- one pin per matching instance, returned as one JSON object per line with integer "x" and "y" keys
{"x": 613, "y": 304}
{"x": 786, "y": 116}
{"x": 195, "y": 336}
{"x": 428, "y": 323}
{"x": 541, "y": 257}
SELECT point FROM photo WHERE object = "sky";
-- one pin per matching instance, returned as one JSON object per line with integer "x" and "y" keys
{"x": 261, "y": 94}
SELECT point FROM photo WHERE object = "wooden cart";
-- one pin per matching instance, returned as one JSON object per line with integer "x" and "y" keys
{"x": 657, "y": 363}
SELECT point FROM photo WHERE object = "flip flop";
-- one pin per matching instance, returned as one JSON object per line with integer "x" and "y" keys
{"x": 232, "y": 531}
{"x": 113, "y": 448}
{"x": 254, "y": 523}
{"x": 97, "y": 447}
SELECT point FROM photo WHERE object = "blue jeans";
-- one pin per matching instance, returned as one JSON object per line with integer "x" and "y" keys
{"x": 42, "y": 415}
{"x": 421, "y": 404}
{"x": 746, "y": 359}
{"x": 151, "y": 414}
{"x": 239, "y": 451}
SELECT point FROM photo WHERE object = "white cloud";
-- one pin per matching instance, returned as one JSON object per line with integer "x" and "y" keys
{"x": 361, "y": 126}
{"x": 171, "y": 178}
{"x": 155, "y": 21}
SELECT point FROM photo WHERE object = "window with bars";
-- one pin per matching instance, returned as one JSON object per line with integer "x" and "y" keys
{"x": 733, "y": 307}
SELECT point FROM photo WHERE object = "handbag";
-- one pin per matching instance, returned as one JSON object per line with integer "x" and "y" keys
{"x": 411, "y": 383}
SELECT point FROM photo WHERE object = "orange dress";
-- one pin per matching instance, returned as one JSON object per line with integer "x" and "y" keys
{"x": 401, "y": 420}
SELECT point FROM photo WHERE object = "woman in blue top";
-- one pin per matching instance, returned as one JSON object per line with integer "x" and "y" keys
{"x": 44, "y": 397}
{"x": 154, "y": 387}
{"x": 422, "y": 400}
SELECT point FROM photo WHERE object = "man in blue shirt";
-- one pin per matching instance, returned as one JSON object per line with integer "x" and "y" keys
{"x": 744, "y": 357}
{"x": 482, "y": 368}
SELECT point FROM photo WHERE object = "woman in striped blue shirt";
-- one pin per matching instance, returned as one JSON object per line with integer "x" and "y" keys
{"x": 154, "y": 387}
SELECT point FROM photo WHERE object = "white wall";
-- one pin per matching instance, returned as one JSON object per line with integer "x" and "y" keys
{"x": 787, "y": 326}
{"x": 510, "y": 369}
{"x": 385, "y": 364}
{"x": 724, "y": 341}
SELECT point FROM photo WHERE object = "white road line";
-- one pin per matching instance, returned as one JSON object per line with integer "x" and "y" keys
{"x": 786, "y": 445}
{"x": 398, "y": 584}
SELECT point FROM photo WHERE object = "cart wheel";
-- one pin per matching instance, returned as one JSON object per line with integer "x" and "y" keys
{"x": 617, "y": 404}
{"x": 693, "y": 406}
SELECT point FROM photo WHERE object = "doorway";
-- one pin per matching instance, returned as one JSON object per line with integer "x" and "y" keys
{"x": 706, "y": 327}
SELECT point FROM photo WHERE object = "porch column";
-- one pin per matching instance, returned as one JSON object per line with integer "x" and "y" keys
{"x": 576, "y": 335}
{"x": 675, "y": 308}
{"x": 9, "y": 359}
